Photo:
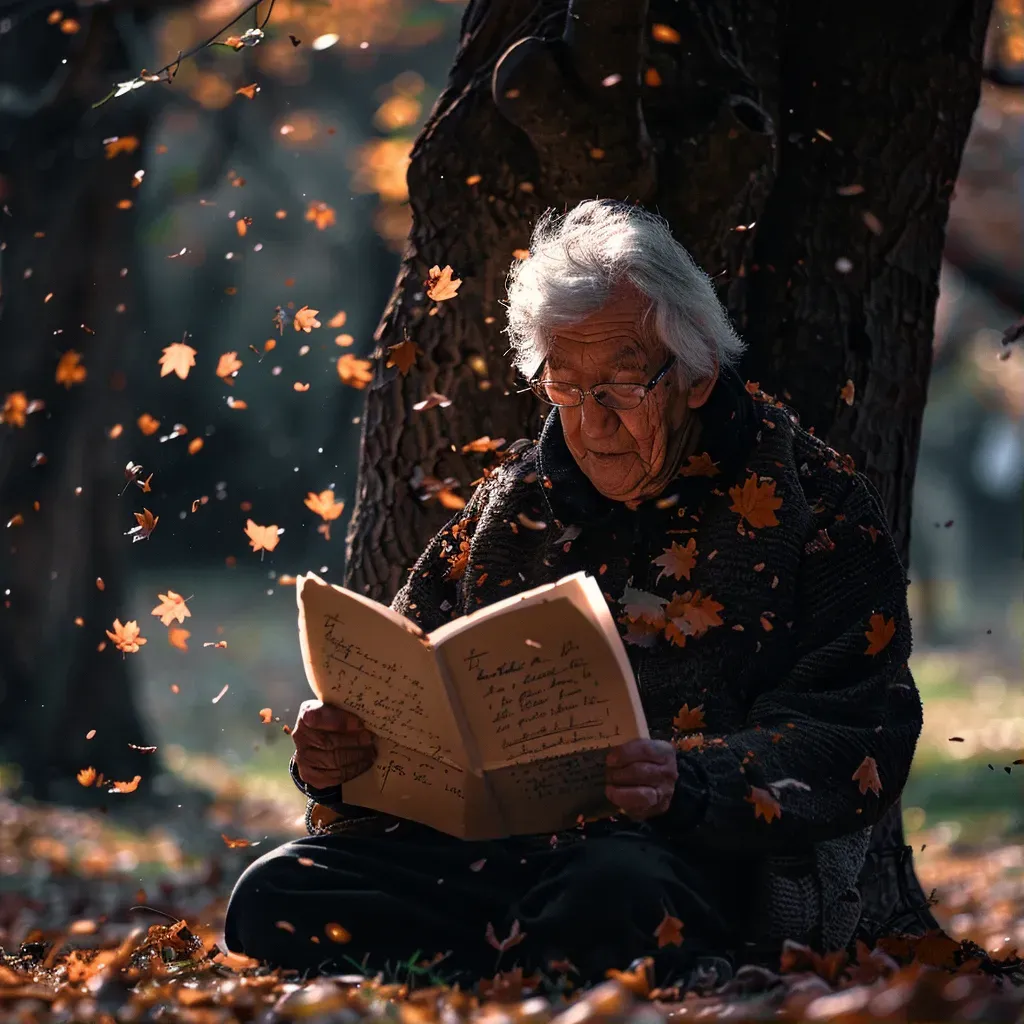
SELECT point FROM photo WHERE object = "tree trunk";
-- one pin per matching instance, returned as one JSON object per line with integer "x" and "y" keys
{"x": 62, "y": 233}
{"x": 805, "y": 153}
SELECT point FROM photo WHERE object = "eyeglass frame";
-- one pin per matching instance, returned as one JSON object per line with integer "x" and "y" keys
{"x": 648, "y": 388}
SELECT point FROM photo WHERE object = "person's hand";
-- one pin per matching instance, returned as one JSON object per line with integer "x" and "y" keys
{"x": 641, "y": 777}
{"x": 331, "y": 745}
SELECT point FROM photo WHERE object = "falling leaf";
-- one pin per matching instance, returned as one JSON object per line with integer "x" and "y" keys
{"x": 266, "y": 715}
{"x": 687, "y": 719}
{"x": 297, "y": 386}
{"x": 220, "y": 645}
{"x": 636, "y": 980}
{"x": 324, "y": 505}
{"x": 669, "y": 932}
{"x": 261, "y": 538}
{"x": 354, "y": 372}
{"x": 403, "y": 355}
{"x": 483, "y": 444}
{"x": 248, "y": 91}
{"x": 677, "y": 561}
{"x": 847, "y": 392}
{"x": 756, "y": 502}
{"x": 228, "y": 365}
{"x": 14, "y": 409}
{"x": 440, "y": 285}
{"x": 87, "y": 776}
{"x": 172, "y": 608}
{"x": 195, "y": 445}
{"x": 120, "y": 144}
{"x": 236, "y": 961}
{"x": 431, "y": 401}
{"x": 236, "y": 403}
{"x": 765, "y": 805}
{"x": 125, "y": 787}
{"x": 126, "y": 637}
{"x": 515, "y": 936}
{"x": 147, "y": 424}
{"x": 285, "y": 926}
{"x": 177, "y": 358}
{"x": 146, "y": 525}
{"x": 305, "y": 319}
{"x": 866, "y": 776}
{"x": 322, "y": 215}
{"x": 69, "y": 369}
{"x": 336, "y": 933}
{"x": 338, "y": 320}
{"x": 235, "y": 844}
{"x": 664, "y": 34}
{"x": 881, "y": 631}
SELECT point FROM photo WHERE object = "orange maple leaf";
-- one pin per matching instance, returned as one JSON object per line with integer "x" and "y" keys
{"x": 756, "y": 502}
{"x": 765, "y": 805}
{"x": 881, "y": 630}
{"x": 178, "y": 638}
{"x": 146, "y": 525}
{"x": 324, "y": 505}
{"x": 441, "y": 285}
{"x": 677, "y": 560}
{"x": 262, "y": 538}
{"x": 172, "y": 608}
{"x": 483, "y": 444}
{"x": 149, "y": 425}
{"x": 69, "y": 369}
{"x": 87, "y": 776}
{"x": 322, "y": 215}
{"x": 866, "y": 776}
{"x": 227, "y": 366}
{"x": 305, "y": 319}
{"x": 14, "y": 410}
{"x": 669, "y": 932}
{"x": 700, "y": 465}
{"x": 689, "y": 718}
{"x": 126, "y": 637}
{"x": 354, "y": 372}
{"x": 126, "y": 787}
{"x": 121, "y": 144}
{"x": 403, "y": 355}
{"x": 695, "y": 741}
{"x": 694, "y": 612}
{"x": 177, "y": 358}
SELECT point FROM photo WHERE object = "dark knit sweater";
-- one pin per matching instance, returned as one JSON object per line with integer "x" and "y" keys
{"x": 763, "y": 608}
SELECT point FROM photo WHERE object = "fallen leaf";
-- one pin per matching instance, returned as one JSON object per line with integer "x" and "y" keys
{"x": 765, "y": 805}
{"x": 677, "y": 561}
{"x": 403, "y": 355}
{"x": 866, "y": 776}
{"x": 172, "y": 608}
{"x": 354, "y": 372}
{"x": 324, "y": 505}
{"x": 440, "y": 285}
{"x": 236, "y": 961}
{"x": 880, "y": 631}
{"x": 125, "y": 787}
{"x": 432, "y": 400}
{"x": 756, "y": 502}
{"x": 126, "y": 637}
{"x": 177, "y": 358}
{"x": 261, "y": 538}
{"x": 305, "y": 319}
{"x": 69, "y": 369}
{"x": 669, "y": 932}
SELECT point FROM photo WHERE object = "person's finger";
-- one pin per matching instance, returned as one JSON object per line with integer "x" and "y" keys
{"x": 328, "y": 718}
{"x": 634, "y": 800}
{"x": 640, "y": 750}
{"x": 641, "y": 773}
{"x": 318, "y": 740}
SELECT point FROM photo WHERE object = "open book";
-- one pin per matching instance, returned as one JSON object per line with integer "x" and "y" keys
{"x": 496, "y": 724}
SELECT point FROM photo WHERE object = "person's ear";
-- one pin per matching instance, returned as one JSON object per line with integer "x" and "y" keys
{"x": 701, "y": 391}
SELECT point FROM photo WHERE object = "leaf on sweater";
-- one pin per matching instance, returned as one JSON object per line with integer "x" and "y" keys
{"x": 669, "y": 932}
{"x": 700, "y": 465}
{"x": 694, "y": 613}
{"x": 642, "y": 606}
{"x": 881, "y": 631}
{"x": 756, "y": 502}
{"x": 765, "y": 805}
{"x": 866, "y": 776}
{"x": 677, "y": 560}
{"x": 687, "y": 719}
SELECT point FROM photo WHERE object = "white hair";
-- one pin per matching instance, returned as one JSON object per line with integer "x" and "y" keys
{"x": 578, "y": 259}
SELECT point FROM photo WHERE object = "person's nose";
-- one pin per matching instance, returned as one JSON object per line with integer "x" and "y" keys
{"x": 597, "y": 421}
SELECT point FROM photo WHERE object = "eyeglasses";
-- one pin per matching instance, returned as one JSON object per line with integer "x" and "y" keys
{"x": 611, "y": 396}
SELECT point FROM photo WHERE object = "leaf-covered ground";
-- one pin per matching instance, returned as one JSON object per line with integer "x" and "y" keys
{"x": 102, "y": 921}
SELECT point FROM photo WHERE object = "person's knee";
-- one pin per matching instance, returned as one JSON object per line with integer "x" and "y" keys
{"x": 255, "y": 902}
{"x": 611, "y": 873}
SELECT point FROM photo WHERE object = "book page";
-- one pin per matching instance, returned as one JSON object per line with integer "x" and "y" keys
{"x": 361, "y": 656}
{"x": 542, "y": 675}
{"x": 417, "y": 787}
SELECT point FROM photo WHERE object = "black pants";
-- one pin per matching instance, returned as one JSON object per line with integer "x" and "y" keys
{"x": 595, "y": 901}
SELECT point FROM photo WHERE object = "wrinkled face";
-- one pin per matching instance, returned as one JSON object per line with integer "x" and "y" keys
{"x": 628, "y": 454}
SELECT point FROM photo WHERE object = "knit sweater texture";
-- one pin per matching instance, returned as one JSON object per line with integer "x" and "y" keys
{"x": 763, "y": 607}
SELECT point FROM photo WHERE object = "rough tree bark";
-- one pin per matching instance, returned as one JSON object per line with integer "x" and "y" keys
{"x": 61, "y": 232}
{"x": 805, "y": 153}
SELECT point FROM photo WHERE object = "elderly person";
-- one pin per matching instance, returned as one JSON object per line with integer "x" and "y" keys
{"x": 763, "y": 607}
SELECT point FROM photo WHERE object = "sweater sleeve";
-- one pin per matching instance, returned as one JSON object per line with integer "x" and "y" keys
{"x": 828, "y": 750}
